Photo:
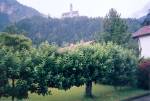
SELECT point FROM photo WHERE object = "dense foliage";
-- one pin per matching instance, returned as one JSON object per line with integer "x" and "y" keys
{"x": 25, "y": 69}
{"x": 84, "y": 64}
{"x": 115, "y": 29}
{"x": 60, "y": 31}
{"x": 121, "y": 66}
{"x": 15, "y": 42}
{"x": 63, "y": 31}
{"x": 18, "y": 70}
{"x": 144, "y": 74}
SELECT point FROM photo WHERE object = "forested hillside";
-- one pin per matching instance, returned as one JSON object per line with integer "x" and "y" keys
{"x": 17, "y": 18}
{"x": 62, "y": 31}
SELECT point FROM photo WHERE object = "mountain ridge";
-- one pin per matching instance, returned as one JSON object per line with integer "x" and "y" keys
{"x": 17, "y": 11}
{"x": 54, "y": 30}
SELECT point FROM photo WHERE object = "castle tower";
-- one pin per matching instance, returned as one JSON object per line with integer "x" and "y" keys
{"x": 71, "y": 13}
{"x": 71, "y": 8}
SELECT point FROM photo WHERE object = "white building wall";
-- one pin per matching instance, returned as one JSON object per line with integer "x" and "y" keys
{"x": 144, "y": 45}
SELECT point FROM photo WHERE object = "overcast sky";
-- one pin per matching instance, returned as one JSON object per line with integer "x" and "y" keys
{"x": 91, "y": 8}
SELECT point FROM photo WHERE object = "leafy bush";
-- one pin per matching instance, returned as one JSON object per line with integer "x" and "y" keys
{"x": 121, "y": 66}
{"x": 105, "y": 63}
{"x": 36, "y": 69}
{"x": 144, "y": 74}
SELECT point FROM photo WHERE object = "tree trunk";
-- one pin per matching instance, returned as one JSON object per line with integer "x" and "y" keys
{"x": 13, "y": 86}
{"x": 88, "y": 89}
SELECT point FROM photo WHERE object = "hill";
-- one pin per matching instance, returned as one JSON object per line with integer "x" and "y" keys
{"x": 16, "y": 11}
{"x": 59, "y": 31}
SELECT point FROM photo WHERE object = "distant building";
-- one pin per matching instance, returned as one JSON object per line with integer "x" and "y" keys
{"x": 143, "y": 36}
{"x": 73, "y": 46}
{"x": 71, "y": 13}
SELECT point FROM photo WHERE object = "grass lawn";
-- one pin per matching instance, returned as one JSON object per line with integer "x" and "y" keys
{"x": 101, "y": 92}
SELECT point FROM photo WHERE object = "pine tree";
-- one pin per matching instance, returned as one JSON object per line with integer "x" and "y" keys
{"x": 114, "y": 28}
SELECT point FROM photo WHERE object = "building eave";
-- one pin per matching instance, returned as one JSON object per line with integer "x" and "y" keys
{"x": 142, "y": 35}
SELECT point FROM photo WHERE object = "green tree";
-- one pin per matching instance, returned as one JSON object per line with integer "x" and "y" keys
{"x": 114, "y": 28}
{"x": 91, "y": 67}
{"x": 3, "y": 74}
{"x": 82, "y": 65}
{"x": 13, "y": 29}
{"x": 36, "y": 69}
{"x": 44, "y": 66}
{"x": 104, "y": 63}
{"x": 121, "y": 66}
{"x": 70, "y": 69}
{"x": 17, "y": 42}
{"x": 13, "y": 64}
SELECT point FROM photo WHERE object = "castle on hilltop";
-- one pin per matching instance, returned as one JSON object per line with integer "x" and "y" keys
{"x": 71, "y": 13}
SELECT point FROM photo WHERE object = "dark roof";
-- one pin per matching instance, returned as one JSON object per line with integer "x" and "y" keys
{"x": 144, "y": 31}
